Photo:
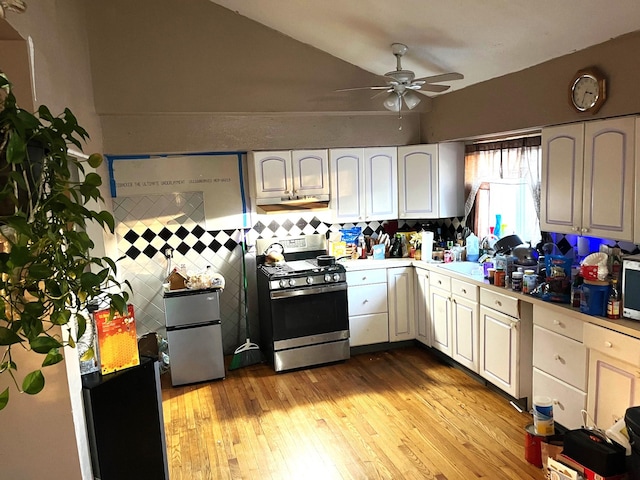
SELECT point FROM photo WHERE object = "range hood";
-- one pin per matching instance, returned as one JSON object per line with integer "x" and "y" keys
{"x": 293, "y": 204}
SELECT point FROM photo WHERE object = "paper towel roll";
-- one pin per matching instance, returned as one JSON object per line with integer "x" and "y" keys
{"x": 427, "y": 246}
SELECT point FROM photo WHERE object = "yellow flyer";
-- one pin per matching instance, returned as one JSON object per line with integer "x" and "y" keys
{"x": 117, "y": 340}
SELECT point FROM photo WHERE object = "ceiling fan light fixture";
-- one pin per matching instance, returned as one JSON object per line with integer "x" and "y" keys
{"x": 411, "y": 99}
{"x": 393, "y": 102}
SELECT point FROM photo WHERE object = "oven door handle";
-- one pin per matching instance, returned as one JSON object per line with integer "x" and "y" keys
{"x": 334, "y": 287}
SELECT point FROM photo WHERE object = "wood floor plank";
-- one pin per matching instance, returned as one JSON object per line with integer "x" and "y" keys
{"x": 397, "y": 414}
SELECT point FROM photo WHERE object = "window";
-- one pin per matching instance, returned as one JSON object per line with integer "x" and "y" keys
{"x": 502, "y": 181}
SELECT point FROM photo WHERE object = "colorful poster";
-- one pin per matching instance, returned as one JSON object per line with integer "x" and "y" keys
{"x": 117, "y": 340}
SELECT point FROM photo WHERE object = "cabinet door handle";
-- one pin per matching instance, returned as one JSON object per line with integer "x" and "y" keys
{"x": 557, "y": 322}
{"x": 365, "y": 301}
{"x": 584, "y": 230}
{"x": 575, "y": 229}
{"x": 513, "y": 325}
{"x": 608, "y": 344}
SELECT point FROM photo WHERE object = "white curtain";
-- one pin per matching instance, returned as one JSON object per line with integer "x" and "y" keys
{"x": 486, "y": 164}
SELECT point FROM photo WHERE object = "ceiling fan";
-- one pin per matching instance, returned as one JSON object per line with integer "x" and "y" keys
{"x": 402, "y": 84}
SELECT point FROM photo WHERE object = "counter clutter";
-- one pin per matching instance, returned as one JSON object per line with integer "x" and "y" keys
{"x": 471, "y": 271}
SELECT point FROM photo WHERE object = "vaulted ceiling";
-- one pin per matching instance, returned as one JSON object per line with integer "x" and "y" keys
{"x": 480, "y": 39}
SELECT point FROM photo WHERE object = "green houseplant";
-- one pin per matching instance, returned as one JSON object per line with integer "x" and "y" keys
{"x": 48, "y": 277}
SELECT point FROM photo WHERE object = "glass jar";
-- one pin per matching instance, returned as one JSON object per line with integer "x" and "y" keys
{"x": 529, "y": 281}
{"x": 516, "y": 281}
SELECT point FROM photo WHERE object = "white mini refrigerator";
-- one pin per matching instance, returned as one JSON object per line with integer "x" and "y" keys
{"x": 194, "y": 335}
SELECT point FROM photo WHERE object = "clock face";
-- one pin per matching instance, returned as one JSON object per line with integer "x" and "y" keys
{"x": 585, "y": 92}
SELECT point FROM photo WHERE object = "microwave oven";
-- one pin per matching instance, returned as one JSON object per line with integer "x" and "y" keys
{"x": 631, "y": 287}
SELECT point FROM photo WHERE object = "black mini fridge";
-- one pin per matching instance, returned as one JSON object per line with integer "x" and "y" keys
{"x": 125, "y": 423}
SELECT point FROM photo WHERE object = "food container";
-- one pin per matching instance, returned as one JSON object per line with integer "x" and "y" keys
{"x": 529, "y": 281}
{"x": 516, "y": 281}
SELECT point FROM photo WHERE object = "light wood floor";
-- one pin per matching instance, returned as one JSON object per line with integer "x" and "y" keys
{"x": 401, "y": 414}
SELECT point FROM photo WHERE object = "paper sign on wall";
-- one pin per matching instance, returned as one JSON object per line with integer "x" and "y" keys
{"x": 216, "y": 175}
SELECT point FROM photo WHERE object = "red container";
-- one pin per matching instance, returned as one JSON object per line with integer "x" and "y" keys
{"x": 589, "y": 272}
{"x": 533, "y": 446}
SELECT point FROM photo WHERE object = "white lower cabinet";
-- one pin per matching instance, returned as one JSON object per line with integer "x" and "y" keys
{"x": 560, "y": 364}
{"x": 440, "y": 305}
{"x": 423, "y": 311}
{"x": 368, "y": 310}
{"x": 614, "y": 374}
{"x": 506, "y": 343}
{"x": 465, "y": 323}
{"x": 401, "y": 304}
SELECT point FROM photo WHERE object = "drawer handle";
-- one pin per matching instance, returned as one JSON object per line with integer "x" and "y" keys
{"x": 464, "y": 290}
{"x": 608, "y": 344}
{"x": 364, "y": 278}
{"x": 499, "y": 303}
{"x": 557, "y": 322}
{"x": 558, "y": 358}
{"x": 365, "y": 301}
{"x": 439, "y": 282}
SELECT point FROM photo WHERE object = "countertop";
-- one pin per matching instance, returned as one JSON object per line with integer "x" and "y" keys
{"x": 471, "y": 272}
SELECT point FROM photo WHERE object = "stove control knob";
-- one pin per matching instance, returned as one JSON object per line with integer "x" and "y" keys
{"x": 292, "y": 282}
{"x": 327, "y": 277}
{"x": 309, "y": 280}
{"x": 282, "y": 283}
{"x": 336, "y": 277}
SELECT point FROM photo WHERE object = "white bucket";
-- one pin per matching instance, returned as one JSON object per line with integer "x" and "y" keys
{"x": 543, "y": 416}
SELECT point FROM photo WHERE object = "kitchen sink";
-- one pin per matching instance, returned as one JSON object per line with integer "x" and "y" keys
{"x": 465, "y": 268}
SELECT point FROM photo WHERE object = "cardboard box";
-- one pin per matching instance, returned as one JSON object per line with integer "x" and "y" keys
{"x": 586, "y": 473}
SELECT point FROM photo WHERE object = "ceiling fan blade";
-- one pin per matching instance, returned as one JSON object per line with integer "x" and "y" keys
{"x": 361, "y": 88}
{"x": 445, "y": 77}
{"x": 430, "y": 88}
{"x": 380, "y": 93}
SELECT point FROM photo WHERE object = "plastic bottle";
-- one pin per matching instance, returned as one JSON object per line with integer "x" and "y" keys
{"x": 497, "y": 231}
{"x": 473, "y": 248}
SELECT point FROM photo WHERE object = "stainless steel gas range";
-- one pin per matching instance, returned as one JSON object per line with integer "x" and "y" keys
{"x": 302, "y": 301}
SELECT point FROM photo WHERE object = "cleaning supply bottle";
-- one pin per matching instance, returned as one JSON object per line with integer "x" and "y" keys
{"x": 497, "y": 231}
{"x": 473, "y": 248}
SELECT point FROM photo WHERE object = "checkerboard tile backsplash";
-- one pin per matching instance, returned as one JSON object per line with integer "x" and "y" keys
{"x": 148, "y": 226}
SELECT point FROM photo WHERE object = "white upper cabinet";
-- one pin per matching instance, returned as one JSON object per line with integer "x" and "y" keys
{"x": 310, "y": 170}
{"x": 364, "y": 184}
{"x": 290, "y": 174}
{"x": 431, "y": 180}
{"x": 588, "y": 177}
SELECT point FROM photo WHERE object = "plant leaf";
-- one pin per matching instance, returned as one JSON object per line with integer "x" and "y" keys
{"x": 33, "y": 383}
{"x": 16, "y": 148}
{"x": 44, "y": 343}
{"x": 88, "y": 355}
{"x": 95, "y": 160}
{"x": 4, "y": 398}
{"x": 7, "y": 337}
{"x": 54, "y": 356}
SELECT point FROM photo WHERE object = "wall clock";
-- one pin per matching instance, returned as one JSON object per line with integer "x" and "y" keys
{"x": 587, "y": 90}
